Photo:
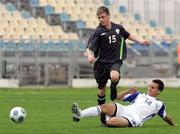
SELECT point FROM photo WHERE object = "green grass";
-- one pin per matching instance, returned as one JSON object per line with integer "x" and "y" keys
{"x": 48, "y": 112}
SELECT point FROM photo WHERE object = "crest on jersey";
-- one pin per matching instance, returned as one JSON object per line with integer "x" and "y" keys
{"x": 117, "y": 31}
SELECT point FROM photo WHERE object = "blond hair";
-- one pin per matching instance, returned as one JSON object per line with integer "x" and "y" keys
{"x": 102, "y": 9}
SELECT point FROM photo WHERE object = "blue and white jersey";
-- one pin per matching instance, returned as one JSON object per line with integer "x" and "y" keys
{"x": 145, "y": 106}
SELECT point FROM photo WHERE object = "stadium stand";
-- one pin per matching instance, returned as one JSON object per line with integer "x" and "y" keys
{"x": 57, "y": 27}
{"x": 68, "y": 14}
{"x": 28, "y": 27}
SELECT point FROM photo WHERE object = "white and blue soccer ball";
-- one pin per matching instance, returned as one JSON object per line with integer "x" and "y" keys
{"x": 17, "y": 114}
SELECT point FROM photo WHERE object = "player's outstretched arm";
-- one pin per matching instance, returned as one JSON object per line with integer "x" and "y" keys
{"x": 143, "y": 42}
{"x": 168, "y": 119}
{"x": 131, "y": 90}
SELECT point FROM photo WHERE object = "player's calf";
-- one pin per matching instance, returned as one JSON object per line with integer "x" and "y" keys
{"x": 113, "y": 93}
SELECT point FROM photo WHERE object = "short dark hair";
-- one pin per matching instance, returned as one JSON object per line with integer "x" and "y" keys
{"x": 102, "y": 9}
{"x": 160, "y": 84}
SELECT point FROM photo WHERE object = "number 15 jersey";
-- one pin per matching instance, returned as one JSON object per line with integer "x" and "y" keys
{"x": 109, "y": 44}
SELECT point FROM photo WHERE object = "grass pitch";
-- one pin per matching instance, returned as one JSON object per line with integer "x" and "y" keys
{"x": 48, "y": 112}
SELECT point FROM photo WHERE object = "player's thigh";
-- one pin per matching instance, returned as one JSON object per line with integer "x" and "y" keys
{"x": 100, "y": 74}
{"x": 109, "y": 109}
{"x": 117, "y": 122}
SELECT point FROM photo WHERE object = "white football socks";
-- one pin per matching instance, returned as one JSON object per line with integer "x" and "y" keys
{"x": 90, "y": 112}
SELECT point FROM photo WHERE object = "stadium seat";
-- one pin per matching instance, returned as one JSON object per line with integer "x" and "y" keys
{"x": 34, "y": 2}
{"x": 169, "y": 31}
{"x": 165, "y": 44}
{"x": 24, "y": 45}
{"x": 26, "y": 14}
{"x": 9, "y": 30}
{"x": 80, "y": 24}
{"x": 22, "y": 23}
{"x": 16, "y": 15}
{"x": 32, "y": 22}
{"x": 64, "y": 17}
{"x": 137, "y": 17}
{"x": 41, "y": 22}
{"x": 48, "y": 9}
{"x": 153, "y": 23}
{"x": 4, "y": 23}
{"x": 10, "y": 45}
{"x": 5, "y": 16}
{"x": 122, "y": 9}
{"x": 106, "y": 2}
{"x": 73, "y": 36}
{"x": 10, "y": 7}
{"x": 29, "y": 30}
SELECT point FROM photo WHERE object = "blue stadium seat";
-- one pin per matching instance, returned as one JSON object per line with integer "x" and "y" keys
{"x": 10, "y": 45}
{"x": 169, "y": 31}
{"x": 34, "y": 2}
{"x": 137, "y": 17}
{"x": 64, "y": 17}
{"x": 165, "y": 44}
{"x": 153, "y": 23}
{"x": 140, "y": 47}
{"x": 1, "y": 44}
{"x": 48, "y": 10}
{"x": 26, "y": 14}
{"x": 42, "y": 46}
{"x": 21, "y": 44}
{"x": 106, "y": 2}
{"x": 122, "y": 9}
{"x": 29, "y": 47}
{"x": 10, "y": 7}
{"x": 56, "y": 46}
{"x": 70, "y": 45}
{"x": 50, "y": 45}
{"x": 61, "y": 45}
{"x": 80, "y": 24}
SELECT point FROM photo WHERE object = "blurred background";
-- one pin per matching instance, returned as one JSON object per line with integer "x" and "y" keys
{"x": 43, "y": 42}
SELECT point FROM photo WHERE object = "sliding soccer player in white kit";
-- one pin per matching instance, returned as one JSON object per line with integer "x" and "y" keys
{"x": 141, "y": 108}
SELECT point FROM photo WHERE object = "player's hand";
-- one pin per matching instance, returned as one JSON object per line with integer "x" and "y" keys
{"x": 132, "y": 90}
{"x": 91, "y": 59}
{"x": 144, "y": 42}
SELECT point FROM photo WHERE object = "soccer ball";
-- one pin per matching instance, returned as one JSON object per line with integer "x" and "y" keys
{"x": 17, "y": 114}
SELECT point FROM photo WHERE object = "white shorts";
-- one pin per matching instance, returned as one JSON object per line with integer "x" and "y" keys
{"x": 124, "y": 111}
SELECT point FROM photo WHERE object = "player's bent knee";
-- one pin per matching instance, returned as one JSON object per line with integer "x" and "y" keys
{"x": 108, "y": 109}
{"x": 115, "y": 76}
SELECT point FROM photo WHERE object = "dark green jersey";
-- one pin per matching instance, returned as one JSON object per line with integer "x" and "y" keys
{"x": 109, "y": 44}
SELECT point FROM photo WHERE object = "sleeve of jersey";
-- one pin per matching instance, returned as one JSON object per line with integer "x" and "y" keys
{"x": 162, "y": 111}
{"x": 93, "y": 42}
{"x": 130, "y": 97}
{"x": 126, "y": 34}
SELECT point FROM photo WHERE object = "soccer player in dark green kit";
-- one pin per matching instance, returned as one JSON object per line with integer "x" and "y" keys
{"x": 106, "y": 49}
